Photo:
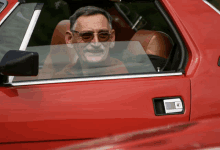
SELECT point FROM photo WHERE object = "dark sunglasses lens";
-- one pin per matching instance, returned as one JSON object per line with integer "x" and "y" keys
{"x": 87, "y": 36}
{"x": 103, "y": 36}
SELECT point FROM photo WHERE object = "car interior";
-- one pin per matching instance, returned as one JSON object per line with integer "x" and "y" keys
{"x": 129, "y": 23}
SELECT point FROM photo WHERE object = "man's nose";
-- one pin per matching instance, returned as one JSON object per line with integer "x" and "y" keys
{"x": 95, "y": 40}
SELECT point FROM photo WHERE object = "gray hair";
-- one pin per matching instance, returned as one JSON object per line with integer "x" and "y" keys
{"x": 88, "y": 11}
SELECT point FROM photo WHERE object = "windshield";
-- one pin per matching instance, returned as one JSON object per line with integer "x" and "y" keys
{"x": 77, "y": 60}
{"x": 12, "y": 31}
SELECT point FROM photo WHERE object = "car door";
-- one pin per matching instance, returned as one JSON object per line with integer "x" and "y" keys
{"x": 81, "y": 108}
{"x": 89, "y": 109}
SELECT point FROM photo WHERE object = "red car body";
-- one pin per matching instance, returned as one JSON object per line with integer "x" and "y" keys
{"x": 202, "y": 134}
{"x": 44, "y": 116}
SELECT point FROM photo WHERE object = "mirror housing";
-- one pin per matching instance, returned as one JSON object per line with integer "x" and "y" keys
{"x": 20, "y": 63}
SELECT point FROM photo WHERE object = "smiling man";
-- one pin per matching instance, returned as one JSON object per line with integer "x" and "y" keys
{"x": 90, "y": 37}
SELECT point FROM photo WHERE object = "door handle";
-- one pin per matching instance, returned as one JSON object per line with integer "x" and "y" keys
{"x": 168, "y": 106}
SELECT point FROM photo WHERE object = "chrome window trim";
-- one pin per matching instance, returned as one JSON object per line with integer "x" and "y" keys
{"x": 27, "y": 35}
{"x": 6, "y": 16}
{"x": 5, "y": 3}
{"x": 50, "y": 81}
{"x": 210, "y": 5}
{"x": 30, "y": 29}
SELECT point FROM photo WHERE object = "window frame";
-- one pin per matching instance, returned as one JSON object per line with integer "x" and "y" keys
{"x": 7, "y": 15}
{"x": 212, "y": 6}
{"x": 83, "y": 79}
{"x": 180, "y": 43}
{"x": 179, "y": 72}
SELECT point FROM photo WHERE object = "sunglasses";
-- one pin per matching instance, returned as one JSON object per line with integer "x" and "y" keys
{"x": 88, "y": 36}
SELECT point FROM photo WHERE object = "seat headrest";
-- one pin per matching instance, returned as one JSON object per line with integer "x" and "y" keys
{"x": 59, "y": 32}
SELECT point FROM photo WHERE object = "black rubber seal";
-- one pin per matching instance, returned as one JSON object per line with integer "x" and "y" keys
{"x": 39, "y": 6}
{"x": 21, "y": 1}
{"x": 219, "y": 61}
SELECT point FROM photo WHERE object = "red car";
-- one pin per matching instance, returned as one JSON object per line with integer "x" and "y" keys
{"x": 168, "y": 71}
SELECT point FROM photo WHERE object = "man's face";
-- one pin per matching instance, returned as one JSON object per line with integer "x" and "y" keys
{"x": 93, "y": 51}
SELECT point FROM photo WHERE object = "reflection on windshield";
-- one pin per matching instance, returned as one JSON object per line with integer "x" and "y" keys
{"x": 90, "y": 59}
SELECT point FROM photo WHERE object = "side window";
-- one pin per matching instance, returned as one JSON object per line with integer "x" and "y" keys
{"x": 149, "y": 17}
{"x": 152, "y": 31}
{"x": 144, "y": 44}
{"x": 135, "y": 20}
{"x": 3, "y": 4}
{"x": 52, "y": 13}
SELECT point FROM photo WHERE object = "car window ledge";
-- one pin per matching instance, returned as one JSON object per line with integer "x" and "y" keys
{"x": 67, "y": 80}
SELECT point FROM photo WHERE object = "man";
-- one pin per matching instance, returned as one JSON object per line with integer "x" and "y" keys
{"x": 90, "y": 38}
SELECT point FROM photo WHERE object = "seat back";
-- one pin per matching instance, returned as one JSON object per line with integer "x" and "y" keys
{"x": 154, "y": 42}
{"x": 56, "y": 54}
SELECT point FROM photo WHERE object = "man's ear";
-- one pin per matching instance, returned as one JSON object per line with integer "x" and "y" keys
{"x": 69, "y": 38}
{"x": 112, "y": 38}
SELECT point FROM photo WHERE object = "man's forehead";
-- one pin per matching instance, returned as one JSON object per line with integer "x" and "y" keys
{"x": 92, "y": 22}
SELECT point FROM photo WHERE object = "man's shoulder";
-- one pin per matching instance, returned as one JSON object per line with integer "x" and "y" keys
{"x": 117, "y": 66}
{"x": 70, "y": 70}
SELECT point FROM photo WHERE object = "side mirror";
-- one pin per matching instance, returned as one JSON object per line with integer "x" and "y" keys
{"x": 20, "y": 63}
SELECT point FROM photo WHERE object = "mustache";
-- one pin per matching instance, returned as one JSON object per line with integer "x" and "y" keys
{"x": 94, "y": 50}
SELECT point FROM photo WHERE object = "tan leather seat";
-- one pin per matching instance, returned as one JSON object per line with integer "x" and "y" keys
{"x": 153, "y": 42}
{"x": 53, "y": 57}
{"x": 59, "y": 32}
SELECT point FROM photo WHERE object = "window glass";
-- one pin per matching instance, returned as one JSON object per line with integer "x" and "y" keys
{"x": 14, "y": 28}
{"x": 146, "y": 15}
{"x": 1, "y": 4}
{"x": 137, "y": 21}
{"x": 58, "y": 61}
{"x": 215, "y": 3}
{"x": 134, "y": 52}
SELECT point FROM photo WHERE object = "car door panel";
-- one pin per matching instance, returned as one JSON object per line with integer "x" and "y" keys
{"x": 90, "y": 109}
